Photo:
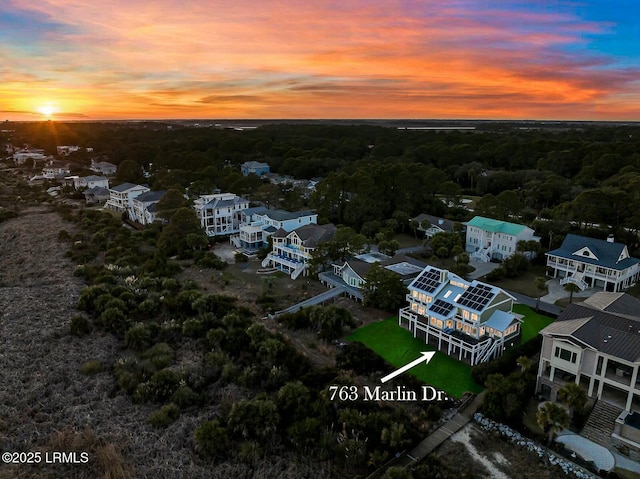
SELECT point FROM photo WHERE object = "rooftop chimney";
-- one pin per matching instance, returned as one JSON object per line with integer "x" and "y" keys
{"x": 610, "y": 239}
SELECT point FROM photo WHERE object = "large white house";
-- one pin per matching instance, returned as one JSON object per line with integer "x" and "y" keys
{"x": 103, "y": 167}
{"x": 91, "y": 181}
{"x": 142, "y": 210}
{"x": 489, "y": 239}
{"x": 219, "y": 214}
{"x": 257, "y": 224}
{"x": 593, "y": 263}
{"x": 292, "y": 251}
{"x": 470, "y": 319}
{"x": 121, "y": 196}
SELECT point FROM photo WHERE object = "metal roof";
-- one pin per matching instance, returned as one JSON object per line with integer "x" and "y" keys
{"x": 496, "y": 226}
{"x": 607, "y": 252}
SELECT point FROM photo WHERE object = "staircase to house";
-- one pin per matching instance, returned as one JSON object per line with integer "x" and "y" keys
{"x": 600, "y": 423}
{"x": 577, "y": 279}
{"x": 488, "y": 353}
{"x": 482, "y": 255}
{"x": 298, "y": 271}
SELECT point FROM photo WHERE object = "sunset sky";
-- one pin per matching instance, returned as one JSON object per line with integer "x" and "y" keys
{"x": 152, "y": 59}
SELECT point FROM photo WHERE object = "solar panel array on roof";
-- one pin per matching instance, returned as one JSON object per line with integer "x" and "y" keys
{"x": 428, "y": 281}
{"x": 476, "y": 297}
{"x": 441, "y": 307}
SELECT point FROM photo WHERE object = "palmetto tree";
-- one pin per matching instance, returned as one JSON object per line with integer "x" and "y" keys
{"x": 571, "y": 288}
{"x": 541, "y": 286}
{"x": 573, "y": 396}
{"x": 552, "y": 418}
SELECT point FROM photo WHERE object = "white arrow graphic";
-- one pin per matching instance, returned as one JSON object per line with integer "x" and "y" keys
{"x": 426, "y": 356}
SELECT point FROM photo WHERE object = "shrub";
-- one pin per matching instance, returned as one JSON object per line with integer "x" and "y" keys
{"x": 80, "y": 325}
{"x": 185, "y": 397}
{"x": 159, "y": 356}
{"x": 128, "y": 375}
{"x": 162, "y": 385}
{"x": 241, "y": 258}
{"x": 138, "y": 337}
{"x": 91, "y": 367}
{"x": 211, "y": 261}
{"x": 212, "y": 439}
{"x": 164, "y": 416}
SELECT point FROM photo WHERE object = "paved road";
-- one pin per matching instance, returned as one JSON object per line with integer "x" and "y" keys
{"x": 551, "y": 309}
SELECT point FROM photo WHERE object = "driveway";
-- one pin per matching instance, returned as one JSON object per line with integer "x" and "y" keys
{"x": 481, "y": 269}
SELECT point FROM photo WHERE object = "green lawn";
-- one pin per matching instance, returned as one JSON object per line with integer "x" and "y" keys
{"x": 533, "y": 322}
{"x": 398, "y": 347}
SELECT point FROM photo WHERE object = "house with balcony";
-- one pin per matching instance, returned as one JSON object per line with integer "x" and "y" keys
{"x": 596, "y": 344}
{"x": 257, "y": 224}
{"x": 142, "y": 209}
{"x": 55, "y": 170}
{"x": 254, "y": 167}
{"x": 489, "y": 239}
{"x": 593, "y": 263}
{"x": 351, "y": 274}
{"x": 96, "y": 195}
{"x": 121, "y": 196}
{"x": 219, "y": 214}
{"x": 470, "y": 320}
{"x": 92, "y": 181}
{"x": 292, "y": 251}
{"x": 103, "y": 167}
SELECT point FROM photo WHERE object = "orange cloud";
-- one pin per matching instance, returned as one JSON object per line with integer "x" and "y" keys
{"x": 326, "y": 59}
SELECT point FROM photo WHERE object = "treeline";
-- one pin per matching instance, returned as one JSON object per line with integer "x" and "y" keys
{"x": 589, "y": 175}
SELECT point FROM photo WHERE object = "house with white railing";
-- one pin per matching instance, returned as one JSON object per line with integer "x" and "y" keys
{"x": 121, "y": 196}
{"x": 595, "y": 344}
{"x": 142, "y": 210}
{"x": 489, "y": 239}
{"x": 219, "y": 214}
{"x": 470, "y": 320}
{"x": 593, "y": 263}
{"x": 292, "y": 251}
{"x": 257, "y": 224}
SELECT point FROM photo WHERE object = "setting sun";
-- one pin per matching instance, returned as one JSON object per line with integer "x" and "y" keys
{"x": 47, "y": 110}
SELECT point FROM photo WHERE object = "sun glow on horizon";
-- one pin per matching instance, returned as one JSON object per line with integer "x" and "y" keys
{"x": 47, "y": 110}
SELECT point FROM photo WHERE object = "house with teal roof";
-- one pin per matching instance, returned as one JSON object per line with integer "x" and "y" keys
{"x": 489, "y": 239}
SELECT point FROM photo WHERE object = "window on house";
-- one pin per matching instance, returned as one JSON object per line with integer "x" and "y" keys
{"x": 414, "y": 307}
{"x": 565, "y": 354}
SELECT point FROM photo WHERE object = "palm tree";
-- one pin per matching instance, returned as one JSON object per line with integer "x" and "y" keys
{"x": 573, "y": 396}
{"x": 552, "y": 418}
{"x": 541, "y": 286}
{"x": 571, "y": 288}
{"x": 525, "y": 363}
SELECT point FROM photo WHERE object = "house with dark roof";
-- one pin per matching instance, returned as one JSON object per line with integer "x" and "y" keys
{"x": 431, "y": 225}
{"x": 257, "y": 224}
{"x": 593, "y": 263}
{"x": 468, "y": 319}
{"x": 143, "y": 209}
{"x": 219, "y": 214}
{"x": 489, "y": 239}
{"x": 292, "y": 250}
{"x": 595, "y": 344}
{"x": 96, "y": 195}
{"x": 351, "y": 274}
{"x": 121, "y": 196}
{"x": 255, "y": 167}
